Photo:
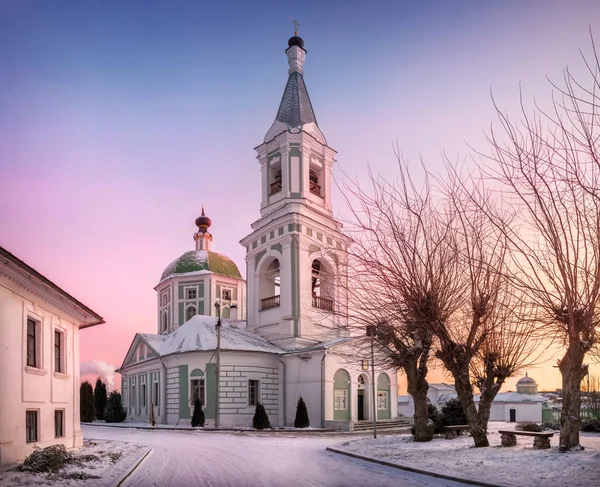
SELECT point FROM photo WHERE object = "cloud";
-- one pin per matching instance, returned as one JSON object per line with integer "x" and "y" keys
{"x": 100, "y": 369}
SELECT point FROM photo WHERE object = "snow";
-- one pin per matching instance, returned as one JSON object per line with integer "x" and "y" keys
{"x": 519, "y": 465}
{"x": 257, "y": 459}
{"x": 108, "y": 469}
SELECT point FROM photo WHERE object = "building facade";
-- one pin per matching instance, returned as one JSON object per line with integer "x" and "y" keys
{"x": 39, "y": 361}
{"x": 284, "y": 340}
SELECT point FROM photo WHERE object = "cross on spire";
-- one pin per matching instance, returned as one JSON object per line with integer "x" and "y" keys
{"x": 296, "y": 25}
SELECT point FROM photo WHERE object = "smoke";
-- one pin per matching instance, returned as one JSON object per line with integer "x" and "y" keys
{"x": 101, "y": 369}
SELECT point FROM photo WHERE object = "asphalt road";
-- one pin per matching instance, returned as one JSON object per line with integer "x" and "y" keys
{"x": 189, "y": 458}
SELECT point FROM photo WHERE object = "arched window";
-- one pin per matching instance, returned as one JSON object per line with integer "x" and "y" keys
{"x": 341, "y": 395}
{"x": 165, "y": 322}
{"x": 383, "y": 396}
{"x": 190, "y": 312}
{"x": 226, "y": 313}
{"x": 321, "y": 286}
{"x": 270, "y": 281}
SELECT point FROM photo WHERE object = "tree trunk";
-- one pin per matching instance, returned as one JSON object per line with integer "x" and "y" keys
{"x": 572, "y": 371}
{"x": 417, "y": 388}
{"x": 464, "y": 390}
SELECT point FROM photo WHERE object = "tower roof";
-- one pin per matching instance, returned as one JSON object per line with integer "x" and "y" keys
{"x": 199, "y": 261}
{"x": 295, "y": 108}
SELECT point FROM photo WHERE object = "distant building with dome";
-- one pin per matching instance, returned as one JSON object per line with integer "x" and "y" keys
{"x": 526, "y": 385}
{"x": 279, "y": 336}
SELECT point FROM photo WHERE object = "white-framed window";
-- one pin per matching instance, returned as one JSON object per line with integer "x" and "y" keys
{"x": 197, "y": 386}
{"x": 253, "y": 392}
{"x": 60, "y": 358}
{"x": 191, "y": 293}
{"x": 164, "y": 298}
{"x": 59, "y": 423}
{"x": 143, "y": 390}
{"x": 165, "y": 322}
{"x": 190, "y": 312}
{"x": 31, "y": 426}
{"x": 340, "y": 399}
{"x": 132, "y": 392}
{"x": 382, "y": 400}
{"x": 226, "y": 294}
{"x": 155, "y": 389}
{"x": 33, "y": 343}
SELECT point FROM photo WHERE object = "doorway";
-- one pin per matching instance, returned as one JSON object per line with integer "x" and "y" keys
{"x": 513, "y": 415}
{"x": 361, "y": 405}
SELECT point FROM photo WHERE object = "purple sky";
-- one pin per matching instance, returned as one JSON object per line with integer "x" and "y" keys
{"x": 119, "y": 119}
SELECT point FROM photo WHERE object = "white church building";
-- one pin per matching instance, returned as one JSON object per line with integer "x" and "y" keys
{"x": 279, "y": 338}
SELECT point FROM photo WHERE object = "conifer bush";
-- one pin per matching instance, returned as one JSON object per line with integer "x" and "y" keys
{"x": 152, "y": 418}
{"x": 86, "y": 403}
{"x": 301, "y": 420}
{"x": 114, "y": 412}
{"x": 260, "y": 420}
{"x": 198, "y": 416}
{"x": 100, "y": 399}
{"x": 453, "y": 414}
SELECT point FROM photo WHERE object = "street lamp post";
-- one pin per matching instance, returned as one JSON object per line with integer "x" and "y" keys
{"x": 218, "y": 330}
{"x": 371, "y": 331}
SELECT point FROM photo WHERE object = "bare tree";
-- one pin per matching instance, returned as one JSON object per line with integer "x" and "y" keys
{"x": 402, "y": 276}
{"x": 591, "y": 400}
{"x": 549, "y": 167}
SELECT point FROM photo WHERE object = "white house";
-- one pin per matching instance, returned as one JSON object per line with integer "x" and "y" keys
{"x": 39, "y": 361}
{"x": 288, "y": 346}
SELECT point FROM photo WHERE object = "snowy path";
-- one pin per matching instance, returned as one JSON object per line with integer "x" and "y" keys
{"x": 252, "y": 460}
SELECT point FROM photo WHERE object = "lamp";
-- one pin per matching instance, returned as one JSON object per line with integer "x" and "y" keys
{"x": 218, "y": 330}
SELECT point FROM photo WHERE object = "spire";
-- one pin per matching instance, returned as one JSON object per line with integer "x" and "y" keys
{"x": 202, "y": 237}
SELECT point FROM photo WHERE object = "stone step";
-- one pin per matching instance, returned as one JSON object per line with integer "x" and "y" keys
{"x": 381, "y": 425}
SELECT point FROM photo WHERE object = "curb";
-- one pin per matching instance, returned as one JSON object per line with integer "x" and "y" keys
{"x": 131, "y": 468}
{"x": 416, "y": 470}
{"x": 210, "y": 430}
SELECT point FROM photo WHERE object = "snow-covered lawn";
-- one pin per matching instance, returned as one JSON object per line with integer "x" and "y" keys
{"x": 100, "y": 463}
{"x": 518, "y": 465}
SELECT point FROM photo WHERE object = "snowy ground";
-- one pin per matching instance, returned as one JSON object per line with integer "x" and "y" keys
{"x": 107, "y": 460}
{"x": 519, "y": 465}
{"x": 240, "y": 459}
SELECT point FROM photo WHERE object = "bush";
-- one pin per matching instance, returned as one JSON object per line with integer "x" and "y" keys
{"x": 452, "y": 414}
{"x": 301, "y": 420}
{"x": 529, "y": 426}
{"x": 590, "y": 425}
{"x": 49, "y": 459}
{"x": 86, "y": 402}
{"x": 114, "y": 412}
{"x": 260, "y": 420}
{"x": 100, "y": 399}
{"x": 152, "y": 418}
{"x": 198, "y": 416}
{"x": 551, "y": 426}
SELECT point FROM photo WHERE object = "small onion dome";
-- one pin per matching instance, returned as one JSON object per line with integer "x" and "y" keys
{"x": 203, "y": 221}
{"x": 296, "y": 41}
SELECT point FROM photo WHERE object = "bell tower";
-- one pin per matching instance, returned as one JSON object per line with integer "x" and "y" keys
{"x": 295, "y": 255}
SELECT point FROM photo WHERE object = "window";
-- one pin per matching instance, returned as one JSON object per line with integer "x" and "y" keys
{"x": 226, "y": 294}
{"x": 132, "y": 394}
{"x": 191, "y": 293}
{"x": 58, "y": 355}
{"x": 365, "y": 364}
{"x": 142, "y": 390}
{"x": 165, "y": 298}
{"x": 253, "y": 392}
{"x": 190, "y": 313}
{"x": 275, "y": 178}
{"x": 31, "y": 343}
{"x": 155, "y": 389}
{"x": 59, "y": 416}
{"x": 313, "y": 177}
{"x": 31, "y": 429}
{"x": 340, "y": 399}
{"x": 382, "y": 400}
{"x": 197, "y": 387}
{"x": 165, "y": 322}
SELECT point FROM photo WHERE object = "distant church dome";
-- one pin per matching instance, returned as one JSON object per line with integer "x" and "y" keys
{"x": 296, "y": 41}
{"x": 526, "y": 385}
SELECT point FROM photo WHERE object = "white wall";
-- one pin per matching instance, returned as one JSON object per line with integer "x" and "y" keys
{"x": 525, "y": 411}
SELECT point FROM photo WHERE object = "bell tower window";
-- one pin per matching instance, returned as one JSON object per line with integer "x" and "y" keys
{"x": 321, "y": 289}
{"x": 275, "y": 178}
{"x": 270, "y": 286}
{"x": 314, "y": 177}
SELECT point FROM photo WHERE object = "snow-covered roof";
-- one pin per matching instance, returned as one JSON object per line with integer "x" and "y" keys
{"x": 201, "y": 262}
{"x": 199, "y": 334}
{"x": 500, "y": 397}
{"x": 322, "y": 345}
{"x": 442, "y": 387}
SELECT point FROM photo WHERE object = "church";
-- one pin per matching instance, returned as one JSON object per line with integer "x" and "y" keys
{"x": 276, "y": 337}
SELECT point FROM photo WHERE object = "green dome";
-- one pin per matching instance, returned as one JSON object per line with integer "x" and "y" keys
{"x": 196, "y": 261}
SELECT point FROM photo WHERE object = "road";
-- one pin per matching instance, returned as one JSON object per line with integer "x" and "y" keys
{"x": 189, "y": 458}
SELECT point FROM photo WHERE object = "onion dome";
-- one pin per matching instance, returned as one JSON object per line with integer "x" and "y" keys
{"x": 203, "y": 222}
{"x": 296, "y": 41}
{"x": 197, "y": 262}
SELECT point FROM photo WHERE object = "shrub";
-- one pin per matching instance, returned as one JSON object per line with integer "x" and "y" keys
{"x": 260, "y": 420}
{"x": 453, "y": 414}
{"x": 152, "y": 418}
{"x": 49, "y": 459}
{"x": 301, "y": 420}
{"x": 590, "y": 425}
{"x": 551, "y": 426}
{"x": 114, "y": 412}
{"x": 86, "y": 402}
{"x": 100, "y": 399}
{"x": 529, "y": 426}
{"x": 198, "y": 416}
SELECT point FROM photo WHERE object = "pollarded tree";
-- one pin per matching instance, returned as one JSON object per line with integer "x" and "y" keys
{"x": 86, "y": 402}
{"x": 301, "y": 420}
{"x": 100, "y": 398}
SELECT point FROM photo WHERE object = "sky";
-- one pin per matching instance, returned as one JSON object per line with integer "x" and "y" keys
{"x": 120, "y": 118}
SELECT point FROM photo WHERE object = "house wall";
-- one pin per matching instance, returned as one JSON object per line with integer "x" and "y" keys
{"x": 41, "y": 389}
{"x": 525, "y": 411}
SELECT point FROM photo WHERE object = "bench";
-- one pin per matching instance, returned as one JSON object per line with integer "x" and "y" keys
{"x": 454, "y": 430}
{"x": 541, "y": 441}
